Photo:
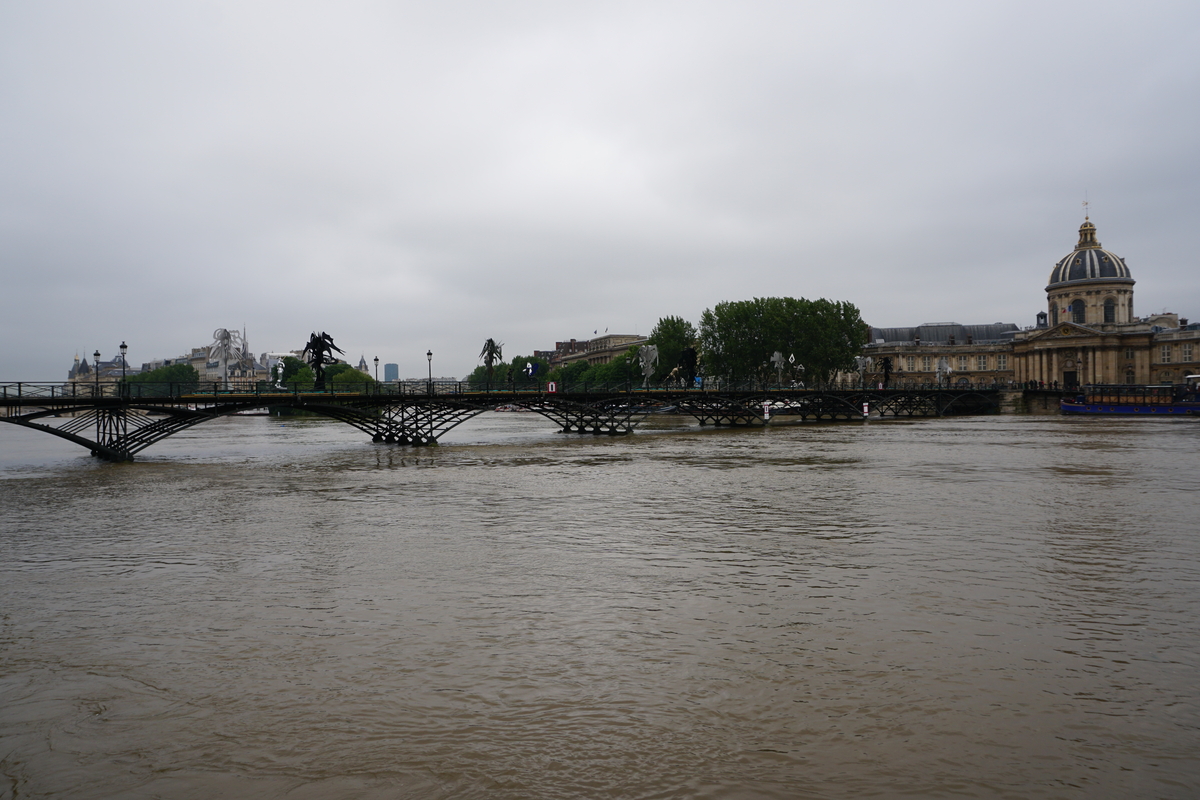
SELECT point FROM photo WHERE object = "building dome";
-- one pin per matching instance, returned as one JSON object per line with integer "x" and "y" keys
{"x": 1089, "y": 262}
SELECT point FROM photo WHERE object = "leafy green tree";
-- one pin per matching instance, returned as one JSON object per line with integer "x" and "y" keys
{"x": 738, "y": 338}
{"x": 518, "y": 369}
{"x": 622, "y": 370}
{"x": 478, "y": 378}
{"x": 672, "y": 335}
{"x": 571, "y": 375}
{"x": 301, "y": 380}
{"x": 344, "y": 374}
{"x": 162, "y": 382}
{"x": 832, "y": 335}
{"x": 346, "y": 378}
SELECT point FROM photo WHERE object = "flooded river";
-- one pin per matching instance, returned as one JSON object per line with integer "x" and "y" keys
{"x": 985, "y": 607}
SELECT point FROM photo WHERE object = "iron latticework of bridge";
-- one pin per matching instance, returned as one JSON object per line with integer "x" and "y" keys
{"x": 116, "y": 424}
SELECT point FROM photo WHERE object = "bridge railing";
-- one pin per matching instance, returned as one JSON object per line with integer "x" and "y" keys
{"x": 26, "y": 391}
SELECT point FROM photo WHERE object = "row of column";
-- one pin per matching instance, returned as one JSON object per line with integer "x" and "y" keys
{"x": 1048, "y": 365}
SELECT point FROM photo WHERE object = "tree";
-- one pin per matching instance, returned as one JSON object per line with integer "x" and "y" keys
{"x": 349, "y": 377}
{"x": 302, "y": 380}
{"x": 490, "y": 355}
{"x": 573, "y": 374}
{"x": 525, "y": 370}
{"x": 339, "y": 368}
{"x": 164, "y": 381}
{"x": 739, "y": 337}
{"x": 672, "y": 335}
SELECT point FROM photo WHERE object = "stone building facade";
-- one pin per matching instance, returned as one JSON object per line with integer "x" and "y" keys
{"x": 600, "y": 350}
{"x": 1089, "y": 334}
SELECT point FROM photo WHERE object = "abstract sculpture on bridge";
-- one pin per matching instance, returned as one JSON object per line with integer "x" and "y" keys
{"x": 687, "y": 363}
{"x": 648, "y": 358}
{"x": 318, "y": 352}
{"x": 943, "y": 371}
{"x": 226, "y": 347}
{"x": 862, "y": 365}
{"x": 778, "y": 360}
{"x": 490, "y": 355}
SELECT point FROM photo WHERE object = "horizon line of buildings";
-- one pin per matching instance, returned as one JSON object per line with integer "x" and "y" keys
{"x": 1089, "y": 334}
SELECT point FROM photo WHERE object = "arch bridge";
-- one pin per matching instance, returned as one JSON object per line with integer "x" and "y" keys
{"x": 115, "y": 422}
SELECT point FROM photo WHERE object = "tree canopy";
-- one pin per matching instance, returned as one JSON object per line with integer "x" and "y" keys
{"x": 302, "y": 379}
{"x": 344, "y": 374}
{"x": 183, "y": 376}
{"x": 672, "y": 335}
{"x": 738, "y": 338}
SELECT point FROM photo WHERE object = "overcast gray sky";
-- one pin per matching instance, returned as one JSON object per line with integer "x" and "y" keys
{"x": 416, "y": 176}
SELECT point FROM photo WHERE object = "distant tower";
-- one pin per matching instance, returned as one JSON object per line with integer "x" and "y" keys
{"x": 391, "y": 372}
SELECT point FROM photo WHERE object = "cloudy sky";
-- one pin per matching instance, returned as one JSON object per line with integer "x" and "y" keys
{"x": 421, "y": 176}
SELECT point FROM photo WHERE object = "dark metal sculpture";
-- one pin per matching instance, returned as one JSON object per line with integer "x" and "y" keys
{"x": 491, "y": 354}
{"x": 687, "y": 361}
{"x": 318, "y": 352}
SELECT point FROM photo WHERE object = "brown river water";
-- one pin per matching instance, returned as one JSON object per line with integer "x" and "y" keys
{"x": 979, "y": 607}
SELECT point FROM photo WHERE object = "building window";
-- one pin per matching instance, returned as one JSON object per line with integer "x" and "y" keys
{"x": 1002, "y": 361}
{"x": 1110, "y": 310}
{"x": 910, "y": 363}
{"x": 1077, "y": 312}
{"x": 1185, "y": 352}
{"x": 1129, "y": 377}
{"x": 981, "y": 363}
{"x": 1164, "y": 354}
{"x": 962, "y": 364}
{"x": 1054, "y": 315}
{"x": 926, "y": 363}
{"x": 1129, "y": 354}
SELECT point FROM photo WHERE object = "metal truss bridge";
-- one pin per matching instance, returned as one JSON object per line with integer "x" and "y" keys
{"x": 115, "y": 422}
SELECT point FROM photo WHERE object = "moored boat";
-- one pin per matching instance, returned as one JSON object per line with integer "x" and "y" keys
{"x": 1135, "y": 400}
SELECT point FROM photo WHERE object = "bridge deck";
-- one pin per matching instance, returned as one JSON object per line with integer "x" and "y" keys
{"x": 116, "y": 425}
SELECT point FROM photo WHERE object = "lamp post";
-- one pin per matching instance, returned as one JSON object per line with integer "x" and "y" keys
{"x": 124, "y": 348}
{"x": 96, "y": 369}
{"x": 429, "y": 358}
{"x": 377, "y": 369}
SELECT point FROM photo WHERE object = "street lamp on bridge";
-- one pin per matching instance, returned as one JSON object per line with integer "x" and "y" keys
{"x": 124, "y": 348}
{"x": 377, "y": 369}
{"x": 429, "y": 358}
{"x": 96, "y": 369}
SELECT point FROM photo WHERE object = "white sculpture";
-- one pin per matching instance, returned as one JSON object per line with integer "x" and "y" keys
{"x": 648, "y": 358}
{"x": 862, "y": 365}
{"x": 943, "y": 371}
{"x": 778, "y": 360}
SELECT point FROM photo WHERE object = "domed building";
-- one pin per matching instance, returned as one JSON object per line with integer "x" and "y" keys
{"x": 1090, "y": 284}
{"x": 1088, "y": 334}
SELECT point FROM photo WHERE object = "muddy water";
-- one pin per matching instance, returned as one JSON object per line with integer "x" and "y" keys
{"x": 988, "y": 607}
